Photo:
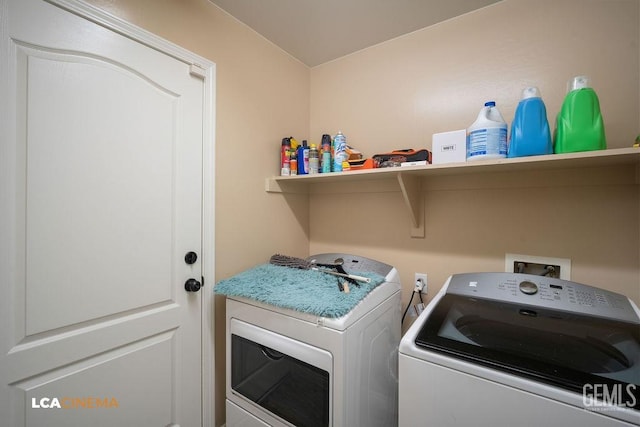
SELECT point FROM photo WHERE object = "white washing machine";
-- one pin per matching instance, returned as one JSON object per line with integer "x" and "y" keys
{"x": 289, "y": 368}
{"x": 506, "y": 349}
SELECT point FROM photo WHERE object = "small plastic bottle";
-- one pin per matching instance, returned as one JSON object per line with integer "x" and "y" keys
{"x": 487, "y": 136}
{"x": 530, "y": 134}
{"x": 303, "y": 158}
{"x": 339, "y": 151}
{"x": 314, "y": 160}
{"x": 579, "y": 124}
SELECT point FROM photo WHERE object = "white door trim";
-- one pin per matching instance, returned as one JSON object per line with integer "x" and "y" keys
{"x": 208, "y": 69}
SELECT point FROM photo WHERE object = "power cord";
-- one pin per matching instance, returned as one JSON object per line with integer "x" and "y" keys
{"x": 409, "y": 305}
{"x": 416, "y": 290}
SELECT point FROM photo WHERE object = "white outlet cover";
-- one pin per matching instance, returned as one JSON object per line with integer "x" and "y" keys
{"x": 424, "y": 278}
{"x": 564, "y": 263}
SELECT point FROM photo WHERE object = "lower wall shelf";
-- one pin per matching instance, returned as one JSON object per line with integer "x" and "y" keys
{"x": 410, "y": 179}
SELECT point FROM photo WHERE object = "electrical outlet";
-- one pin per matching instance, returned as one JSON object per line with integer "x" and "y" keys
{"x": 420, "y": 281}
{"x": 538, "y": 265}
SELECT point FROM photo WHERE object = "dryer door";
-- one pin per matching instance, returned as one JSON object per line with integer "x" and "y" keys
{"x": 287, "y": 378}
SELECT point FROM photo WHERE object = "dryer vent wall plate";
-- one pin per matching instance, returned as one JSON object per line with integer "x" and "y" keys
{"x": 559, "y": 268}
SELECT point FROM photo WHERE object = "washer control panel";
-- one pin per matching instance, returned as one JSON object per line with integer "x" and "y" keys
{"x": 545, "y": 292}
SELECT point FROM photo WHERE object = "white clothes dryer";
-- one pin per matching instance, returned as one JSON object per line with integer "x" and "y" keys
{"x": 289, "y": 368}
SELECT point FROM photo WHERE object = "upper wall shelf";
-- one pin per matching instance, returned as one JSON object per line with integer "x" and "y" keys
{"x": 409, "y": 178}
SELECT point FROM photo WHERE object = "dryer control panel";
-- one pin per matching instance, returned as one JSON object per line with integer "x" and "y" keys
{"x": 540, "y": 291}
{"x": 352, "y": 263}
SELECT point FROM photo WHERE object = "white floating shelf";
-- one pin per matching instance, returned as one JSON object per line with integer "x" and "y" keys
{"x": 409, "y": 178}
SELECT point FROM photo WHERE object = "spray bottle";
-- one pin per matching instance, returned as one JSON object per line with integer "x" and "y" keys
{"x": 339, "y": 151}
{"x": 326, "y": 153}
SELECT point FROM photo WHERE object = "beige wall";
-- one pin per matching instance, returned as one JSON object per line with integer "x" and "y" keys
{"x": 397, "y": 94}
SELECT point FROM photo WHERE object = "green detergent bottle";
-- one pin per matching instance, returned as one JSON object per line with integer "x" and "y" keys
{"x": 579, "y": 125}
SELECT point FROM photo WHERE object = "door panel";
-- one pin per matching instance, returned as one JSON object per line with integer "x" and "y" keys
{"x": 92, "y": 391}
{"x": 102, "y": 160}
{"x": 89, "y": 189}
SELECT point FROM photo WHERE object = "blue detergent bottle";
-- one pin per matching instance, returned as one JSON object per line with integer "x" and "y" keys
{"x": 530, "y": 133}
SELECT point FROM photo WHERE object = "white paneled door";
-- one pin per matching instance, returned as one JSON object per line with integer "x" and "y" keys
{"x": 101, "y": 231}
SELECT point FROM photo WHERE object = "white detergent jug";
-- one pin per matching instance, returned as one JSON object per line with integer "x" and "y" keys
{"x": 487, "y": 136}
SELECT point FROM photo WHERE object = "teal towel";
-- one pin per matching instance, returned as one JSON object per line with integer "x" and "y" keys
{"x": 308, "y": 291}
